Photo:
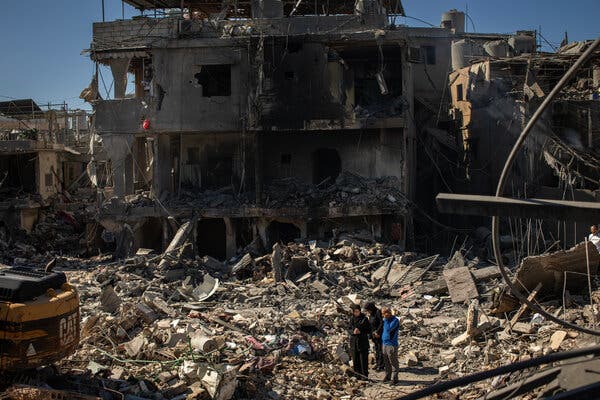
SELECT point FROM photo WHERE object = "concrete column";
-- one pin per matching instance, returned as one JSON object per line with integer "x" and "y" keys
{"x": 303, "y": 226}
{"x": 128, "y": 174}
{"x": 162, "y": 164}
{"x": 119, "y": 68}
{"x": 258, "y": 168}
{"x": 596, "y": 76}
{"x": 230, "y": 244}
{"x": 118, "y": 149}
{"x": 409, "y": 176}
{"x": 118, "y": 166}
{"x": 139, "y": 158}
{"x": 166, "y": 233}
{"x": 261, "y": 225}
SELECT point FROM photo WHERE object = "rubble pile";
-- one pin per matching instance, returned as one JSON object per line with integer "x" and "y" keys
{"x": 204, "y": 329}
{"x": 57, "y": 233}
{"x": 347, "y": 190}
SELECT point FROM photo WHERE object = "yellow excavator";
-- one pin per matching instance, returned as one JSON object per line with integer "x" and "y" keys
{"x": 39, "y": 317}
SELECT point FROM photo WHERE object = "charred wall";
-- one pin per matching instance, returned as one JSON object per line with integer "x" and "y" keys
{"x": 369, "y": 153}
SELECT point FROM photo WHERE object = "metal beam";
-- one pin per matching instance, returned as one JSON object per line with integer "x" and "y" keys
{"x": 562, "y": 210}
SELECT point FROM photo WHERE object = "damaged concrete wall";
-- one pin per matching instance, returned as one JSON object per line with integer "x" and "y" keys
{"x": 489, "y": 127}
{"x": 48, "y": 174}
{"x": 211, "y": 160}
{"x": 204, "y": 88}
{"x": 120, "y": 116}
{"x": 431, "y": 70}
{"x": 120, "y": 152}
{"x": 312, "y": 156}
{"x": 301, "y": 83}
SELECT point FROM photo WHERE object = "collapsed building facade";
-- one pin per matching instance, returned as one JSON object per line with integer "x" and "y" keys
{"x": 493, "y": 97}
{"x": 43, "y": 155}
{"x": 271, "y": 120}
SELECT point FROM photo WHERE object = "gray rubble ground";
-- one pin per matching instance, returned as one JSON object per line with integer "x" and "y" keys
{"x": 152, "y": 333}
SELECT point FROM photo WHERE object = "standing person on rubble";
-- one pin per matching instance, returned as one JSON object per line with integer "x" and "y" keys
{"x": 594, "y": 236}
{"x": 376, "y": 321}
{"x": 360, "y": 329}
{"x": 389, "y": 338}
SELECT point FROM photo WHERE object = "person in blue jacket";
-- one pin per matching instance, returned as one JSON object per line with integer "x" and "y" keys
{"x": 389, "y": 339}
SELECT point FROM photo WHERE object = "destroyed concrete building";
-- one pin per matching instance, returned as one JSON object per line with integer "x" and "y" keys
{"x": 43, "y": 155}
{"x": 325, "y": 128}
{"x": 494, "y": 96}
{"x": 272, "y": 120}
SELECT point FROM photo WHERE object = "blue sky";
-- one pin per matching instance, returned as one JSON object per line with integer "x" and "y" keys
{"x": 42, "y": 41}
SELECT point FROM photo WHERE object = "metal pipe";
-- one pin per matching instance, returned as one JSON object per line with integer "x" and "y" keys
{"x": 502, "y": 181}
{"x": 505, "y": 369}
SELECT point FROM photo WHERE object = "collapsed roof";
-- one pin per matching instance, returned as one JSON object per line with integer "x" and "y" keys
{"x": 20, "y": 109}
{"x": 243, "y": 7}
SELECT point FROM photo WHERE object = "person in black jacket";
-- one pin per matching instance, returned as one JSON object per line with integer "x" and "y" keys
{"x": 360, "y": 329}
{"x": 376, "y": 321}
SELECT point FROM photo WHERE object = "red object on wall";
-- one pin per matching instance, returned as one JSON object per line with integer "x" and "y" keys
{"x": 146, "y": 124}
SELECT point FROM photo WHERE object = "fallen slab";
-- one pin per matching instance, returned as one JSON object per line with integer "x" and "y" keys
{"x": 460, "y": 284}
{"x": 550, "y": 269}
{"x": 439, "y": 286}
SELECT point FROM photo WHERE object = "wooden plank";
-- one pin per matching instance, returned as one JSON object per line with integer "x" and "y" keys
{"x": 461, "y": 284}
{"x": 523, "y": 307}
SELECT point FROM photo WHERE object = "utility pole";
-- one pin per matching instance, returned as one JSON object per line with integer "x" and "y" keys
{"x": 103, "y": 15}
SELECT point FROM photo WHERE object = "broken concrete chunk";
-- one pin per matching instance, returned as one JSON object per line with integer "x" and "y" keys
{"x": 203, "y": 343}
{"x": 460, "y": 284}
{"x": 206, "y": 289}
{"x": 244, "y": 266}
{"x": 189, "y": 370}
{"x": 219, "y": 381}
{"x": 549, "y": 269}
{"x": 556, "y": 339}
{"x": 320, "y": 287}
{"x": 155, "y": 301}
{"x": 461, "y": 340}
{"x": 109, "y": 299}
{"x": 523, "y": 327}
{"x": 297, "y": 268}
{"x": 146, "y": 313}
{"x": 135, "y": 346}
{"x": 345, "y": 252}
{"x": 276, "y": 264}
{"x": 411, "y": 359}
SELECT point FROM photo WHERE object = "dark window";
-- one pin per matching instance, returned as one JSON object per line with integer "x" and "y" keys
{"x": 193, "y": 155}
{"x": 294, "y": 47}
{"x": 414, "y": 55}
{"x": 215, "y": 80}
{"x": 286, "y": 159}
{"x": 289, "y": 75}
{"x": 327, "y": 165}
{"x": 429, "y": 54}
{"x": 460, "y": 96}
{"x": 212, "y": 238}
{"x": 218, "y": 172}
{"x": 48, "y": 179}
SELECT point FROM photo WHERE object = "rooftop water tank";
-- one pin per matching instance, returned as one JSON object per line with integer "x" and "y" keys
{"x": 453, "y": 19}
{"x": 522, "y": 42}
{"x": 463, "y": 51}
{"x": 497, "y": 48}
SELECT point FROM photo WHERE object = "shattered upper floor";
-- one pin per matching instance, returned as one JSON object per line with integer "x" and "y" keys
{"x": 493, "y": 97}
{"x": 310, "y": 71}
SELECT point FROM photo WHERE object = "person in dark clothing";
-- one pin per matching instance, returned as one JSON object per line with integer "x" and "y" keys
{"x": 376, "y": 321}
{"x": 360, "y": 329}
